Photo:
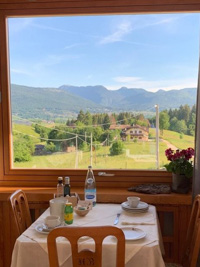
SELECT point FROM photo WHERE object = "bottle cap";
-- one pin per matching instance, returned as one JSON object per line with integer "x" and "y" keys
{"x": 67, "y": 180}
{"x": 60, "y": 178}
{"x": 68, "y": 204}
{"x": 90, "y": 167}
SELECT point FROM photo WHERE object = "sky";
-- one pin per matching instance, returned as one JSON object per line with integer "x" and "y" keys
{"x": 158, "y": 51}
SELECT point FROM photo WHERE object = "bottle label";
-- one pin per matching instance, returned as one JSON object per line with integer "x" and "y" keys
{"x": 68, "y": 218}
{"x": 90, "y": 180}
{"x": 90, "y": 194}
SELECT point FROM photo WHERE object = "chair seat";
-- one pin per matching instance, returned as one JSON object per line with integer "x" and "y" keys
{"x": 172, "y": 264}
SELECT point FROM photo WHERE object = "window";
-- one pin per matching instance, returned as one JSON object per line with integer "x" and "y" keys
{"x": 13, "y": 166}
{"x": 65, "y": 110}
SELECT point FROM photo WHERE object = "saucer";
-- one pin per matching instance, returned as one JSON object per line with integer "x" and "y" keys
{"x": 140, "y": 206}
{"x": 42, "y": 229}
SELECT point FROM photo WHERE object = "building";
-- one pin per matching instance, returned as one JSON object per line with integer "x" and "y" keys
{"x": 135, "y": 132}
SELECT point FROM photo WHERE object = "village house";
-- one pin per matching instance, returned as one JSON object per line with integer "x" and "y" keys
{"x": 119, "y": 126}
{"x": 135, "y": 132}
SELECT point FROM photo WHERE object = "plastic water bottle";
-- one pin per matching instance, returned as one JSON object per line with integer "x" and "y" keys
{"x": 90, "y": 186}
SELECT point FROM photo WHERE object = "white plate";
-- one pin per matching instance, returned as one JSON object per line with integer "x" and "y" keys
{"x": 141, "y": 206}
{"x": 40, "y": 229}
{"x": 132, "y": 233}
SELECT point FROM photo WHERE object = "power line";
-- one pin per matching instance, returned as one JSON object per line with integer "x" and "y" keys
{"x": 45, "y": 139}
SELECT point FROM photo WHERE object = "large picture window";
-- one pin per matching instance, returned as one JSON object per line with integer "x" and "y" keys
{"x": 84, "y": 89}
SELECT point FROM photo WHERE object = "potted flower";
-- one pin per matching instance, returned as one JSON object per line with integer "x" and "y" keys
{"x": 181, "y": 166}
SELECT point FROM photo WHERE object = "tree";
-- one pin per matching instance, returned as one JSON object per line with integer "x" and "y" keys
{"x": 173, "y": 123}
{"x": 163, "y": 121}
{"x": 181, "y": 127}
{"x": 106, "y": 122}
{"x": 117, "y": 148}
{"x": 88, "y": 118}
{"x": 84, "y": 147}
{"x": 184, "y": 113}
{"x": 50, "y": 147}
{"x": 81, "y": 116}
{"x": 23, "y": 148}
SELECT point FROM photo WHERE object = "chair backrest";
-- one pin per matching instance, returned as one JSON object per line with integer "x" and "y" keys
{"x": 21, "y": 211}
{"x": 86, "y": 257}
{"x": 192, "y": 247}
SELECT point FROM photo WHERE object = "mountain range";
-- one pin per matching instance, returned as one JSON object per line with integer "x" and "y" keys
{"x": 66, "y": 101}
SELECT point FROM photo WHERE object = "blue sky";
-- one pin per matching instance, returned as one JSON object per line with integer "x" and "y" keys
{"x": 136, "y": 51}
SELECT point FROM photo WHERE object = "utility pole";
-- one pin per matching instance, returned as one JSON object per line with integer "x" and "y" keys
{"x": 76, "y": 160}
{"x": 157, "y": 137}
{"x": 91, "y": 149}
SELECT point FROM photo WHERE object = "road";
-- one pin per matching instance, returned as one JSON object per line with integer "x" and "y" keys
{"x": 169, "y": 145}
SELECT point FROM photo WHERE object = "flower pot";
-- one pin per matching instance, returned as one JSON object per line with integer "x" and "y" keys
{"x": 180, "y": 183}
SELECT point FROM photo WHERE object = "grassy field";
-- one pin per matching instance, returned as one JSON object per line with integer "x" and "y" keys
{"x": 139, "y": 155}
{"x": 174, "y": 139}
{"x": 27, "y": 129}
{"x": 101, "y": 158}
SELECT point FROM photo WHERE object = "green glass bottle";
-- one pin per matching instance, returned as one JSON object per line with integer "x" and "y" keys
{"x": 68, "y": 216}
{"x": 67, "y": 187}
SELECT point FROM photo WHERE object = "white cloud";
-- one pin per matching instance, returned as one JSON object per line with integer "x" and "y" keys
{"x": 122, "y": 29}
{"x": 74, "y": 45}
{"x": 152, "y": 86}
{"x": 132, "y": 24}
{"x": 20, "y": 71}
{"x": 44, "y": 27}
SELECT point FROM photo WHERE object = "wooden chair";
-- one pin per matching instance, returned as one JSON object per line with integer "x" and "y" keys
{"x": 192, "y": 247}
{"x": 21, "y": 211}
{"x": 98, "y": 233}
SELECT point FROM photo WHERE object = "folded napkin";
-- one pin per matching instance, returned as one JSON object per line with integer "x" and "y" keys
{"x": 137, "y": 223}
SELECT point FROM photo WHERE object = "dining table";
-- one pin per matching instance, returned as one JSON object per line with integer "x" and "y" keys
{"x": 145, "y": 249}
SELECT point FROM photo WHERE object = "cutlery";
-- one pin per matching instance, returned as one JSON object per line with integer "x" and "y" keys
{"x": 117, "y": 219}
{"x": 139, "y": 223}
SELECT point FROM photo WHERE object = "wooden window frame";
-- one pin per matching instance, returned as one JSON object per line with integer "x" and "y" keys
{"x": 12, "y": 8}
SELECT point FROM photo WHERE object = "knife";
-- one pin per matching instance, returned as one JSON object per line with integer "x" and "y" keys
{"x": 117, "y": 219}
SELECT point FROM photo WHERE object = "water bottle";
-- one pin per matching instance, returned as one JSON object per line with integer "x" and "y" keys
{"x": 90, "y": 186}
{"x": 60, "y": 187}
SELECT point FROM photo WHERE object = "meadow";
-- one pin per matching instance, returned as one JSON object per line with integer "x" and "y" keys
{"x": 137, "y": 155}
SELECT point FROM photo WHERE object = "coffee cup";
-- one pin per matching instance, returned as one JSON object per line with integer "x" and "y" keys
{"x": 57, "y": 206}
{"x": 52, "y": 221}
{"x": 133, "y": 201}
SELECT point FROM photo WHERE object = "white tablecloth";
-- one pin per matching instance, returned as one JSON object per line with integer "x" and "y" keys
{"x": 31, "y": 247}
